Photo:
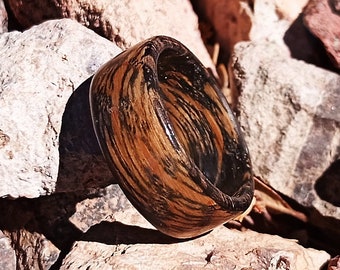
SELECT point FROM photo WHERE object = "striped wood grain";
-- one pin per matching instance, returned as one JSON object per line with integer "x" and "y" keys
{"x": 170, "y": 138}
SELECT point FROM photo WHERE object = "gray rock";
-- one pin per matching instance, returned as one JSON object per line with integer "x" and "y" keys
{"x": 266, "y": 22}
{"x": 220, "y": 249}
{"x": 290, "y": 114}
{"x": 40, "y": 69}
{"x": 102, "y": 230}
{"x": 35, "y": 252}
{"x": 3, "y": 18}
{"x": 47, "y": 142}
{"x": 124, "y": 22}
{"x": 7, "y": 253}
{"x": 38, "y": 228}
{"x": 109, "y": 205}
{"x": 289, "y": 10}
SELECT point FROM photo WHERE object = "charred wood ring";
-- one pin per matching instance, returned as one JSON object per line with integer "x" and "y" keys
{"x": 170, "y": 138}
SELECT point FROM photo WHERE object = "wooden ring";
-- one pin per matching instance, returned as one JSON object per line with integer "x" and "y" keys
{"x": 170, "y": 138}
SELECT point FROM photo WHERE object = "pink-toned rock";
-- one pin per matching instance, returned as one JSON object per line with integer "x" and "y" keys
{"x": 323, "y": 21}
{"x": 334, "y": 263}
{"x": 3, "y": 18}
{"x": 281, "y": 22}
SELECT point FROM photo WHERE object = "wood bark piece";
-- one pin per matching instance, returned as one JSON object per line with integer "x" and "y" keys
{"x": 230, "y": 21}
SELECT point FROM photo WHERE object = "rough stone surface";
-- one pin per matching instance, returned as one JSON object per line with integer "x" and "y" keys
{"x": 304, "y": 46}
{"x": 266, "y": 23}
{"x": 43, "y": 78}
{"x": 7, "y": 253}
{"x": 323, "y": 20}
{"x": 60, "y": 218}
{"x": 28, "y": 223}
{"x": 55, "y": 57}
{"x": 104, "y": 222}
{"x": 125, "y": 22}
{"x": 334, "y": 263}
{"x": 289, "y": 10}
{"x": 35, "y": 252}
{"x": 40, "y": 68}
{"x": 271, "y": 19}
{"x": 281, "y": 22}
{"x": 220, "y": 249}
{"x": 228, "y": 22}
{"x": 109, "y": 205}
{"x": 289, "y": 112}
{"x": 3, "y": 18}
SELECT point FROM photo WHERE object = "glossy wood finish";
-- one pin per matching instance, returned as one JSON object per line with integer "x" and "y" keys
{"x": 170, "y": 138}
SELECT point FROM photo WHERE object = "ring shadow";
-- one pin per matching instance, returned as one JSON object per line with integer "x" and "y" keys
{"x": 81, "y": 163}
{"x": 328, "y": 185}
{"x": 114, "y": 233}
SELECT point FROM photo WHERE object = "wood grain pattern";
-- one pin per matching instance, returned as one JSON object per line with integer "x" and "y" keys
{"x": 170, "y": 138}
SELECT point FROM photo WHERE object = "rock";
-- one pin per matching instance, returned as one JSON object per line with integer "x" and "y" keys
{"x": 220, "y": 249}
{"x": 336, "y": 5}
{"x": 109, "y": 205}
{"x": 35, "y": 252}
{"x": 289, "y": 111}
{"x": 326, "y": 185}
{"x": 3, "y": 18}
{"x": 102, "y": 224}
{"x": 282, "y": 22}
{"x": 266, "y": 23}
{"x": 7, "y": 254}
{"x": 124, "y": 22}
{"x": 232, "y": 21}
{"x": 41, "y": 160}
{"x": 271, "y": 19}
{"x": 39, "y": 228}
{"x": 47, "y": 146}
{"x": 40, "y": 69}
{"x": 304, "y": 46}
{"x": 334, "y": 263}
{"x": 289, "y": 10}
{"x": 322, "y": 19}
{"x": 60, "y": 218}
